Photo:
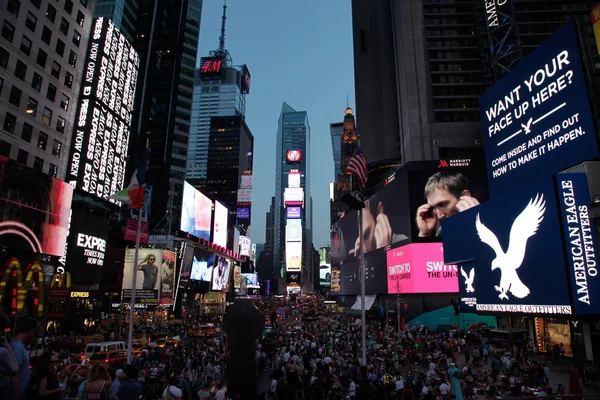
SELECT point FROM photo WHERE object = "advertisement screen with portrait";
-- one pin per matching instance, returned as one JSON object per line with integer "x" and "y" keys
{"x": 511, "y": 254}
{"x": 35, "y": 210}
{"x": 221, "y": 274}
{"x": 202, "y": 265}
{"x": 376, "y": 276}
{"x": 196, "y": 212}
{"x": 185, "y": 268}
{"x": 438, "y": 190}
{"x": 153, "y": 266}
{"x": 293, "y": 256}
{"x": 251, "y": 280}
{"x": 420, "y": 268}
{"x": 220, "y": 225}
{"x": 87, "y": 247}
{"x": 237, "y": 276}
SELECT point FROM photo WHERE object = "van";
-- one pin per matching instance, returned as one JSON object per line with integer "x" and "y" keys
{"x": 114, "y": 357}
{"x": 103, "y": 347}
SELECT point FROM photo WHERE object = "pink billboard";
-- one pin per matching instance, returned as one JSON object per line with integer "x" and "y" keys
{"x": 420, "y": 268}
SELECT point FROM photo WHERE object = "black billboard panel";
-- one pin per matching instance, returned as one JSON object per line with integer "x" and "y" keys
{"x": 376, "y": 274}
{"x": 86, "y": 247}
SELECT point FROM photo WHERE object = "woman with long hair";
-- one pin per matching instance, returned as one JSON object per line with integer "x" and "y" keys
{"x": 98, "y": 382}
{"x": 49, "y": 386}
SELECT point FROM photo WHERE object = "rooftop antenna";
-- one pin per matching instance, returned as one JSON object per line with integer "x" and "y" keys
{"x": 223, "y": 20}
{"x": 347, "y": 103}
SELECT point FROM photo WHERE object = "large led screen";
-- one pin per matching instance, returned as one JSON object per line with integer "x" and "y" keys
{"x": 375, "y": 273}
{"x": 293, "y": 230}
{"x": 155, "y": 276}
{"x": 103, "y": 117}
{"x": 251, "y": 280}
{"x": 221, "y": 274}
{"x": 87, "y": 247}
{"x": 220, "y": 225}
{"x": 293, "y": 212}
{"x": 420, "y": 268}
{"x": 237, "y": 276}
{"x": 325, "y": 274}
{"x": 196, "y": 212}
{"x": 35, "y": 210}
{"x": 293, "y": 256}
{"x": 537, "y": 119}
{"x": 245, "y": 246}
{"x": 511, "y": 251}
{"x": 202, "y": 265}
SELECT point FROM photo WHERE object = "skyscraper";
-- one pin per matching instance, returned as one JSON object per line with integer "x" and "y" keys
{"x": 293, "y": 157}
{"x": 122, "y": 13}
{"x": 42, "y": 56}
{"x": 336, "y": 130}
{"x": 346, "y": 143}
{"x": 219, "y": 90}
{"x": 167, "y": 41}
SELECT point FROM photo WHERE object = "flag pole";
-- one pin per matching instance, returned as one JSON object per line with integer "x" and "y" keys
{"x": 133, "y": 285}
{"x": 363, "y": 277}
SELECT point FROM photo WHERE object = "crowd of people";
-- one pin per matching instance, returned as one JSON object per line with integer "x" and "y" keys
{"x": 305, "y": 353}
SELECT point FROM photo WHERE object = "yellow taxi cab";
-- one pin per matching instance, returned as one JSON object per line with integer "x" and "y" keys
{"x": 108, "y": 357}
{"x": 203, "y": 330}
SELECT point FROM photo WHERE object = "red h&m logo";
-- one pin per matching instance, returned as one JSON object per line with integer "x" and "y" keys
{"x": 443, "y": 164}
{"x": 211, "y": 66}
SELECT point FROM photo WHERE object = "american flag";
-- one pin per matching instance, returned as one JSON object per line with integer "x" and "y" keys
{"x": 358, "y": 166}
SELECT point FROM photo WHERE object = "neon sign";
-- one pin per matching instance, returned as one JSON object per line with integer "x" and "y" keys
{"x": 210, "y": 66}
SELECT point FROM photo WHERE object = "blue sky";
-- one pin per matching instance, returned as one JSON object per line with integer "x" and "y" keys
{"x": 299, "y": 52}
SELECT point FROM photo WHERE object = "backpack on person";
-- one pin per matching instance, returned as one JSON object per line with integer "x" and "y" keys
{"x": 170, "y": 395}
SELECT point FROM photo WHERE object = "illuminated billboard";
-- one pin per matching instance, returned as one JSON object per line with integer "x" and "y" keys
{"x": 220, "y": 225}
{"x": 293, "y": 196}
{"x": 251, "y": 280}
{"x": 103, "y": 117}
{"x": 221, "y": 274}
{"x": 211, "y": 67}
{"x": 245, "y": 246}
{"x": 420, "y": 268}
{"x": 293, "y": 156}
{"x": 86, "y": 247}
{"x": 196, "y": 212}
{"x": 243, "y": 212}
{"x": 293, "y": 256}
{"x": 294, "y": 179}
{"x": 203, "y": 262}
{"x": 155, "y": 276}
{"x": 237, "y": 276}
{"x": 35, "y": 210}
{"x": 244, "y": 195}
{"x": 293, "y": 230}
{"x": 325, "y": 274}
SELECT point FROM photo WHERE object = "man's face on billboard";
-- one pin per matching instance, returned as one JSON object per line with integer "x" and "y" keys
{"x": 443, "y": 203}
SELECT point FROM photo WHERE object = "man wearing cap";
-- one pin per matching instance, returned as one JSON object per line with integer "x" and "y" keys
{"x": 120, "y": 377}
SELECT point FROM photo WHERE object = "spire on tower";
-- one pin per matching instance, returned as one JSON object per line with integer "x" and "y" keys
{"x": 223, "y": 20}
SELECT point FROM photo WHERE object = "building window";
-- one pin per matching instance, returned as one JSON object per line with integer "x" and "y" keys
{"x": 47, "y": 117}
{"x": 51, "y": 92}
{"x": 36, "y": 3}
{"x": 51, "y": 13}
{"x": 22, "y": 156}
{"x": 60, "y": 124}
{"x": 13, "y": 7}
{"x": 42, "y": 57}
{"x": 31, "y": 21}
{"x": 1, "y": 84}
{"x": 72, "y": 58}
{"x": 4, "y": 57}
{"x": 32, "y": 105}
{"x": 60, "y": 47}
{"x": 64, "y": 26}
{"x": 53, "y": 170}
{"x": 68, "y": 6}
{"x": 76, "y": 38}
{"x": 38, "y": 164}
{"x": 80, "y": 18}
{"x": 56, "y": 146}
{"x": 42, "y": 141}
{"x": 21, "y": 70}
{"x": 26, "y": 45}
{"x": 8, "y": 31}
{"x": 46, "y": 35}
{"x": 15, "y": 96}
{"x": 36, "y": 82}
{"x": 84, "y": 2}
{"x": 5, "y": 148}
{"x": 55, "y": 69}
{"x": 64, "y": 102}
{"x": 9, "y": 123}
{"x": 68, "y": 79}
{"x": 27, "y": 132}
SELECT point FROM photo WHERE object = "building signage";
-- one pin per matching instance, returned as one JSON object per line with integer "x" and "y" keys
{"x": 293, "y": 256}
{"x": 243, "y": 213}
{"x": 294, "y": 179}
{"x": 80, "y": 295}
{"x": 596, "y": 22}
{"x": 293, "y": 196}
{"x": 293, "y": 156}
{"x": 293, "y": 230}
{"x": 86, "y": 246}
{"x": 293, "y": 277}
{"x": 293, "y": 212}
{"x": 537, "y": 120}
{"x": 211, "y": 66}
{"x": 103, "y": 118}
{"x": 510, "y": 252}
{"x": 245, "y": 246}
{"x": 93, "y": 247}
{"x": 244, "y": 196}
{"x": 580, "y": 242}
{"x": 492, "y": 10}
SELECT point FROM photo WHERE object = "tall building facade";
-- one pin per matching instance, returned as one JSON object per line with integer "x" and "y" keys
{"x": 122, "y": 13}
{"x": 336, "y": 130}
{"x": 348, "y": 141}
{"x": 292, "y": 157}
{"x": 167, "y": 40}
{"x": 230, "y": 149}
{"x": 420, "y": 67}
{"x": 42, "y": 56}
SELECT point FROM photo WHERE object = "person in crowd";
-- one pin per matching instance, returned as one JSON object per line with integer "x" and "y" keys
{"x": 49, "y": 385}
{"x": 98, "y": 383}
{"x": 26, "y": 332}
{"x": 173, "y": 391}
{"x": 9, "y": 367}
{"x": 120, "y": 377}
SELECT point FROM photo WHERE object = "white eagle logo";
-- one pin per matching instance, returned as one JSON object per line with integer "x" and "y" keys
{"x": 468, "y": 279}
{"x": 525, "y": 226}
